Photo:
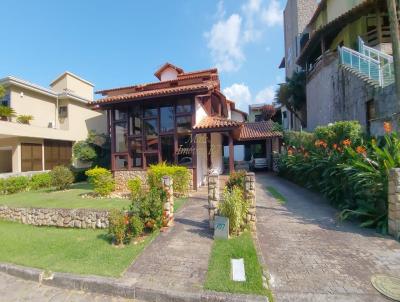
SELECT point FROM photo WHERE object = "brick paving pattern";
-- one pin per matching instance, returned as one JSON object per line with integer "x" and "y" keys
{"x": 313, "y": 257}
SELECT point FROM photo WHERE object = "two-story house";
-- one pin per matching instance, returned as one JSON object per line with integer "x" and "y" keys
{"x": 61, "y": 116}
{"x": 184, "y": 119}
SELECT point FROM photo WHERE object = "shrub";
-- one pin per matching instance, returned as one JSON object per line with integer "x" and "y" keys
{"x": 236, "y": 179}
{"x": 298, "y": 139}
{"x": 340, "y": 131}
{"x": 135, "y": 186}
{"x": 61, "y": 177}
{"x": 24, "y": 119}
{"x": 102, "y": 180}
{"x": 39, "y": 181}
{"x": 84, "y": 152}
{"x": 79, "y": 174}
{"x": 235, "y": 208}
{"x": 15, "y": 184}
{"x": 180, "y": 175}
{"x": 135, "y": 227}
{"x": 117, "y": 222}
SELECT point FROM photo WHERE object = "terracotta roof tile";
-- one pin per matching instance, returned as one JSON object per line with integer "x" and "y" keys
{"x": 211, "y": 122}
{"x": 258, "y": 130}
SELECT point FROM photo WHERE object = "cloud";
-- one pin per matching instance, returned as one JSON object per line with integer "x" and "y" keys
{"x": 273, "y": 14}
{"x": 266, "y": 95}
{"x": 225, "y": 44}
{"x": 240, "y": 94}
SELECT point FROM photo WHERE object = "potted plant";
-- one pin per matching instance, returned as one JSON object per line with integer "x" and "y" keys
{"x": 24, "y": 119}
{"x": 6, "y": 113}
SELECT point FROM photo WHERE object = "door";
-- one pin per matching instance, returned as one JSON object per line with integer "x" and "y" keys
{"x": 31, "y": 157}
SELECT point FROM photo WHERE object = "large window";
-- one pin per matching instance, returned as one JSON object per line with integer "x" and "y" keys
{"x": 147, "y": 133}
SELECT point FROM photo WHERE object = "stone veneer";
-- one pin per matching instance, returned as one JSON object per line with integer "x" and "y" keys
{"x": 168, "y": 211}
{"x": 66, "y": 218}
{"x": 394, "y": 203}
{"x": 213, "y": 197}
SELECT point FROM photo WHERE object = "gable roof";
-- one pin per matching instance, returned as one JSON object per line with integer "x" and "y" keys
{"x": 258, "y": 131}
{"x": 166, "y": 66}
{"x": 64, "y": 74}
{"x": 213, "y": 122}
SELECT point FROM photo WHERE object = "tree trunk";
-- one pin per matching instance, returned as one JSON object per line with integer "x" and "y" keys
{"x": 394, "y": 32}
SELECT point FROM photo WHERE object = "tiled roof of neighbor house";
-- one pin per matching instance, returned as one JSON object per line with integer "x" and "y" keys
{"x": 335, "y": 26}
{"x": 165, "y": 66}
{"x": 258, "y": 130}
{"x": 211, "y": 122}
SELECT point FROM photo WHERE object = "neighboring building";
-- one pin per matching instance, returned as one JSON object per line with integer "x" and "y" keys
{"x": 182, "y": 119}
{"x": 255, "y": 112}
{"x": 297, "y": 15}
{"x": 61, "y": 116}
{"x": 346, "y": 51}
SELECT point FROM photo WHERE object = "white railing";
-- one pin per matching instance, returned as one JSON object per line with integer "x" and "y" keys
{"x": 374, "y": 53}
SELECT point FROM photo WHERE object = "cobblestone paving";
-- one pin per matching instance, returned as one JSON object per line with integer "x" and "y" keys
{"x": 178, "y": 258}
{"x": 14, "y": 289}
{"x": 313, "y": 257}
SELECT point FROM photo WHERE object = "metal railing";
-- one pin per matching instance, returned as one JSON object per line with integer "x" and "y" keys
{"x": 374, "y": 53}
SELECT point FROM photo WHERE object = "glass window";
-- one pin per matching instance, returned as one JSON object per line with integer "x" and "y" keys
{"x": 121, "y": 162}
{"x": 166, "y": 119}
{"x": 136, "y": 122}
{"x": 184, "y": 123}
{"x": 63, "y": 111}
{"x": 184, "y": 150}
{"x": 136, "y": 152}
{"x": 121, "y": 144}
{"x": 151, "y": 134}
{"x": 151, "y": 159}
{"x": 184, "y": 106}
{"x": 150, "y": 112}
{"x": 5, "y": 101}
{"x": 120, "y": 115}
{"x": 167, "y": 149}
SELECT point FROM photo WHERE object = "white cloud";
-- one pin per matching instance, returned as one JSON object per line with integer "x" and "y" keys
{"x": 266, "y": 95}
{"x": 225, "y": 44}
{"x": 240, "y": 94}
{"x": 273, "y": 14}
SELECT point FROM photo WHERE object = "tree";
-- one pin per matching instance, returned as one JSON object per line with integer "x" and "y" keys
{"x": 292, "y": 94}
{"x": 2, "y": 92}
{"x": 394, "y": 33}
{"x": 268, "y": 112}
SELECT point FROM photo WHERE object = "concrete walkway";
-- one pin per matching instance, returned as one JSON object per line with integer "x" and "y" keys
{"x": 313, "y": 257}
{"x": 178, "y": 258}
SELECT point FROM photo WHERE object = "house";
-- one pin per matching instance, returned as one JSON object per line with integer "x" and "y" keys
{"x": 346, "y": 51}
{"x": 61, "y": 116}
{"x": 297, "y": 14}
{"x": 183, "y": 119}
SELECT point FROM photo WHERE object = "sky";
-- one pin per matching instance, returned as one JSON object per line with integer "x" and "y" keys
{"x": 118, "y": 43}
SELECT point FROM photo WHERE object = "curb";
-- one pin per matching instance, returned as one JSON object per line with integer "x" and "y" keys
{"x": 120, "y": 288}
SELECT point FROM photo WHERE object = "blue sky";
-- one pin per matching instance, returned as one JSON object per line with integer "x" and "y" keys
{"x": 117, "y": 43}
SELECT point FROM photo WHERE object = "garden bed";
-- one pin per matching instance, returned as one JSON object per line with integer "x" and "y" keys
{"x": 68, "y": 199}
{"x": 87, "y": 252}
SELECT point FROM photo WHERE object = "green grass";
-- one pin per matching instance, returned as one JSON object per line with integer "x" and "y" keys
{"x": 278, "y": 196}
{"x": 69, "y": 199}
{"x": 179, "y": 202}
{"x": 76, "y": 251}
{"x": 219, "y": 267}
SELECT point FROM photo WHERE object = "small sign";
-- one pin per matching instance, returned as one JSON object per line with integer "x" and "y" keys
{"x": 238, "y": 273}
{"x": 221, "y": 227}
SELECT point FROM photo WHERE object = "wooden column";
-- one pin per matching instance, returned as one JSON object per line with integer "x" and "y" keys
{"x": 231, "y": 154}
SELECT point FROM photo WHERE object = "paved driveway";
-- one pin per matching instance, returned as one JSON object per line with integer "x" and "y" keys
{"x": 313, "y": 257}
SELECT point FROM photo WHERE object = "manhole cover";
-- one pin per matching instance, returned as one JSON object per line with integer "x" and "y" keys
{"x": 387, "y": 285}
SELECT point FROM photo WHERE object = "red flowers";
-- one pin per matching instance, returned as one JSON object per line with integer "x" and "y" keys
{"x": 387, "y": 126}
{"x": 361, "y": 150}
{"x": 346, "y": 142}
{"x": 320, "y": 143}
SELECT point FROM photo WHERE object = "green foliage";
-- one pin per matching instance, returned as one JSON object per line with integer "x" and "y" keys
{"x": 135, "y": 186}
{"x": 117, "y": 222}
{"x": 61, "y": 177}
{"x": 235, "y": 208}
{"x": 299, "y": 139}
{"x": 275, "y": 193}
{"x": 84, "y": 152}
{"x": 180, "y": 175}
{"x": 6, "y": 112}
{"x": 102, "y": 180}
{"x": 340, "y": 131}
{"x": 13, "y": 185}
{"x": 24, "y": 119}
{"x": 135, "y": 227}
{"x": 39, "y": 181}
{"x": 79, "y": 174}
{"x": 2, "y": 91}
{"x": 236, "y": 179}
{"x": 95, "y": 149}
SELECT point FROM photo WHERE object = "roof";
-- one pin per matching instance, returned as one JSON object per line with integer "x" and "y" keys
{"x": 258, "y": 130}
{"x": 335, "y": 26}
{"x": 166, "y": 66}
{"x": 72, "y": 75}
{"x": 215, "y": 122}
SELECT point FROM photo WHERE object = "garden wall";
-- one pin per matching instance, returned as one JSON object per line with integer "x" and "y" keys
{"x": 66, "y": 218}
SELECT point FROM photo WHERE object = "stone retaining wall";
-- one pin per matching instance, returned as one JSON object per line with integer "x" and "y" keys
{"x": 394, "y": 203}
{"x": 66, "y": 218}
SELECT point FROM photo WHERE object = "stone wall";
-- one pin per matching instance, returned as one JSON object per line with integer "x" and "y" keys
{"x": 168, "y": 211}
{"x": 121, "y": 178}
{"x": 394, "y": 203}
{"x": 213, "y": 197}
{"x": 250, "y": 196}
{"x": 67, "y": 218}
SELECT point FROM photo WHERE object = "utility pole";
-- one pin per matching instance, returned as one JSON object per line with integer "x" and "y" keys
{"x": 395, "y": 34}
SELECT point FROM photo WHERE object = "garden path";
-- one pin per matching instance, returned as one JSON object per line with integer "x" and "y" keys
{"x": 178, "y": 258}
{"x": 313, "y": 257}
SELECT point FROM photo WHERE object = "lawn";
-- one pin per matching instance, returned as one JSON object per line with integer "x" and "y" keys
{"x": 69, "y": 199}
{"x": 179, "y": 202}
{"x": 76, "y": 251}
{"x": 278, "y": 196}
{"x": 219, "y": 268}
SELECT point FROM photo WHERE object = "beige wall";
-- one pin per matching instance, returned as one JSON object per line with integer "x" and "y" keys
{"x": 16, "y": 152}
{"x": 74, "y": 85}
